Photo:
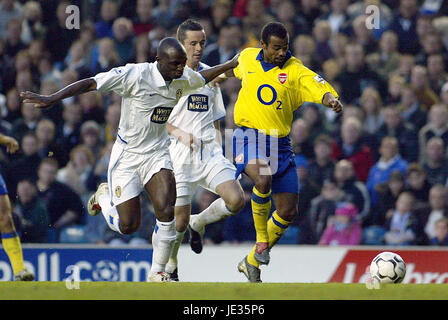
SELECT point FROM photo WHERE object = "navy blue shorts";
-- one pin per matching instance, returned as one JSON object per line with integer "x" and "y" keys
{"x": 249, "y": 144}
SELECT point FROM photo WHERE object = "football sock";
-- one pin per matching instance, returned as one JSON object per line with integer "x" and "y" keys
{"x": 109, "y": 212}
{"x": 11, "y": 244}
{"x": 261, "y": 207}
{"x": 276, "y": 226}
{"x": 172, "y": 261}
{"x": 163, "y": 237}
{"x": 215, "y": 212}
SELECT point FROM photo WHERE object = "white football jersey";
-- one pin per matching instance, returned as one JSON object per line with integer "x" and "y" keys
{"x": 147, "y": 102}
{"x": 196, "y": 112}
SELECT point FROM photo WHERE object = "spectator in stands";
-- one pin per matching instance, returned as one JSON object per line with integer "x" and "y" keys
{"x": 13, "y": 106}
{"x": 338, "y": 43}
{"x": 300, "y": 138}
{"x": 410, "y": 109}
{"x": 109, "y": 12}
{"x": 363, "y": 35}
{"x": 436, "y": 209}
{"x": 58, "y": 38}
{"x": 32, "y": 26}
{"x": 437, "y": 75}
{"x": 417, "y": 183}
{"x": 14, "y": 43}
{"x": 112, "y": 118}
{"x": 405, "y": 66}
{"x": 441, "y": 233}
{"x": 28, "y": 121}
{"x": 435, "y": 163}
{"x": 310, "y": 10}
{"x": 229, "y": 41}
{"x": 437, "y": 126}
{"x": 9, "y": 9}
{"x": 108, "y": 57}
{"x": 68, "y": 131}
{"x": 161, "y": 14}
{"x": 143, "y": 22}
{"x": 25, "y": 166}
{"x": 387, "y": 195}
{"x": 322, "y": 35}
{"x": 124, "y": 40}
{"x": 46, "y": 144}
{"x": 337, "y": 16}
{"x": 344, "y": 228}
{"x": 220, "y": 13}
{"x": 402, "y": 226}
{"x": 32, "y": 213}
{"x": 354, "y": 190}
{"x": 91, "y": 136}
{"x": 321, "y": 167}
{"x": 357, "y": 75}
{"x": 405, "y": 132}
{"x": 404, "y": 24}
{"x": 77, "y": 171}
{"x": 286, "y": 13}
{"x": 91, "y": 104}
{"x": 257, "y": 16}
{"x": 99, "y": 172}
{"x": 389, "y": 162}
{"x": 305, "y": 49}
{"x": 431, "y": 45}
{"x": 371, "y": 104}
{"x": 420, "y": 83}
{"x": 351, "y": 147}
{"x": 385, "y": 60}
{"x": 64, "y": 205}
{"x": 395, "y": 84}
{"x": 76, "y": 60}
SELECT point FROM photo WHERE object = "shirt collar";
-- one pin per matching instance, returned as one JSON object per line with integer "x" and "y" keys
{"x": 268, "y": 66}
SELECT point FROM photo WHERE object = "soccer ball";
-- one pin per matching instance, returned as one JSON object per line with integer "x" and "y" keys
{"x": 388, "y": 267}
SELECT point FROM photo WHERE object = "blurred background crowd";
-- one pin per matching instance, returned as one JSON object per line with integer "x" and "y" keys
{"x": 376, "y": 174}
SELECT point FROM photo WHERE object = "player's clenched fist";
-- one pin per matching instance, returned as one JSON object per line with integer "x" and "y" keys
{"x": 330, "y": 101}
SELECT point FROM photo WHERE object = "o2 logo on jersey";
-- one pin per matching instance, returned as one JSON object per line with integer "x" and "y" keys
{"x": 161, "y": 114}
{"x": 262, "y": 96}
{"x": 197, "y": 102}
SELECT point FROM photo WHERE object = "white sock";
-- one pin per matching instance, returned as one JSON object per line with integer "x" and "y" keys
{"x": 215, "y": 212}
{"x": 172, "y": 262}
{"x": 163, "y": 238}
{"x": 109, "y": 212}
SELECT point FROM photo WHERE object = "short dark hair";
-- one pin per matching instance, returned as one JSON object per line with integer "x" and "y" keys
{"x": 187, "y": 25}
{"x": 273, "y": 29}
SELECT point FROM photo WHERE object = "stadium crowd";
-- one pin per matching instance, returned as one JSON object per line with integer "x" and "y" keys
{"x": 375, "y": 174}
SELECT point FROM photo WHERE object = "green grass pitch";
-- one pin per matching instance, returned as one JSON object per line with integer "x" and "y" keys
{"x": 218, "y": 291}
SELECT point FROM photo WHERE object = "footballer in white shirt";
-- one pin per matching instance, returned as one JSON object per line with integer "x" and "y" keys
{"x": 140, "y": 158}
{"x": 196, "y": 152}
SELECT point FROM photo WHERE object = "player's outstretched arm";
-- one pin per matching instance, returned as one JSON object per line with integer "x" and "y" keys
{"x": 212, "y": 73}
{"x": 329, "y": 100}
{"x": 46, "y": 101}
{"x": 10, "y": 143}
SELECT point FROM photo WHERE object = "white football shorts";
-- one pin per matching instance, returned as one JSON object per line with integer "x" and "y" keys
{"x": 206, "y": 167}
{"x": 128, "y": 172}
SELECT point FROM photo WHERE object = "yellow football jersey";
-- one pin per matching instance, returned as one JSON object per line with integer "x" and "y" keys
{"x": 270, "y": 94}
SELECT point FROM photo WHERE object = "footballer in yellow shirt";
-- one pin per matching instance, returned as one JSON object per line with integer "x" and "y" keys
{"x": 273, "y": 85}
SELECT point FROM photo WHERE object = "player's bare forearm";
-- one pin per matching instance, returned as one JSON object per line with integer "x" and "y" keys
{"x": 329, "y": 100}
{"x": 212, "y": 73}
{"x": 45, "y": 101}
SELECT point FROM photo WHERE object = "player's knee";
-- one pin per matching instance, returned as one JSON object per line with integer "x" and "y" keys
{"x": 129, "y": 226}
{"x": 287, "y": 214}
{"x": 235, "y": 202}
{"x": 263, "y": 183}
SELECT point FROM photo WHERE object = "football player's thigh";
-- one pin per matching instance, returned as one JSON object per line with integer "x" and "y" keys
{"x": 161, "y": 189}
{"x": 260, "y": 173}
